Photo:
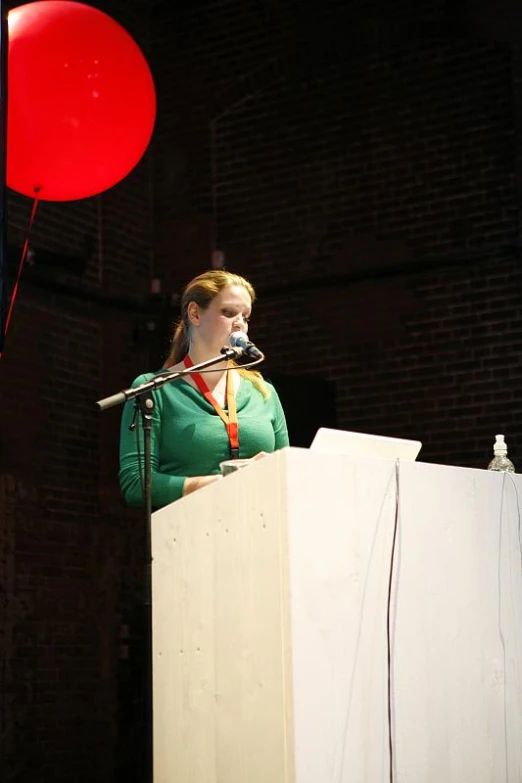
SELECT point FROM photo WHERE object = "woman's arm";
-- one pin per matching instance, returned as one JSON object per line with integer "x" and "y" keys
{"x": 280, "y": 428}
{"x": 165, "y": 488}
{"x": 192, "y": 483}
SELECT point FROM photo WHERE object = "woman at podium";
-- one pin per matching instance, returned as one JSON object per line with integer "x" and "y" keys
{"x": 202, "y": 419}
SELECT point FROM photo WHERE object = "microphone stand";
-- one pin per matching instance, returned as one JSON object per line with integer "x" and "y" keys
{"x": 144, "y": 408}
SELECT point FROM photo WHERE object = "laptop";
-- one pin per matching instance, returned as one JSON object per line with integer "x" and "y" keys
{"x": 359, "y": 444}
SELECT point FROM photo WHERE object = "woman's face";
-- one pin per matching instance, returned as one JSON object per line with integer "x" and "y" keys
{"x": 229, "y": 311}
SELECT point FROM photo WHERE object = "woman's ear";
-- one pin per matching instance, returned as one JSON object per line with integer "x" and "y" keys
{"x": 193, "y": 313}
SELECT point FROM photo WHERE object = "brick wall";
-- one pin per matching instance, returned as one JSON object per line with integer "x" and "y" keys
{"x": 69, "y": 550}
{"x": 360, "y": 164}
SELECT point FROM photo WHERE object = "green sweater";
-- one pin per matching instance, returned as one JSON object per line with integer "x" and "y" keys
{"x": 189, "y": 439}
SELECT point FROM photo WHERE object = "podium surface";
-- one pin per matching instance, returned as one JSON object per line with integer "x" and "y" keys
{"x": 271, "y": 591}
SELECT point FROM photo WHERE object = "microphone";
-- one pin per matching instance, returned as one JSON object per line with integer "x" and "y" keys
{"x": 240, "y": 340}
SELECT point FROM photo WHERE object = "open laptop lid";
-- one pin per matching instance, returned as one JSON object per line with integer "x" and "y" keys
{"x": 328, "y": 441}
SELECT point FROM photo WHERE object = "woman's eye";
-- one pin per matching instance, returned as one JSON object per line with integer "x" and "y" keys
{"x": 234, "y": 314}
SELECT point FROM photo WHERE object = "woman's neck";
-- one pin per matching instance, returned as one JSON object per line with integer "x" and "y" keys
{"x": 214, "y": 379}
{"x": 201, "y": 353}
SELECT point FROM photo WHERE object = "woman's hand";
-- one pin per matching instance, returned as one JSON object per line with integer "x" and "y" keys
{"x": 192, "y": 483}
{"x": 260, "y": 455}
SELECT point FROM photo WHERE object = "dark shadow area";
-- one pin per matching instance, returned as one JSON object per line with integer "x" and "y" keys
{"x": 308, "y": 402}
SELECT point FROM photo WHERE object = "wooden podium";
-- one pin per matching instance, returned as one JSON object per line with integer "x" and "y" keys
{"x": 270, "y": 597}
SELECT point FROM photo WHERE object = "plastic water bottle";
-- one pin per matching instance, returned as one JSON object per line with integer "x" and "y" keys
{"x": 500, "y": 461}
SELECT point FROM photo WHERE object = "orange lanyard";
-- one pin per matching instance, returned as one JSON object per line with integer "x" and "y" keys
{"x": 230, "y": 419}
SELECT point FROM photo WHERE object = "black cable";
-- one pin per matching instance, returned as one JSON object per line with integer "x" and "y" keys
{"x": 190, "y": 370}
{"x": 362, "y": 614}
{"x": 519, "y": 516}
{"x": 388, "y": 623}
{"x": 140, "y": 461}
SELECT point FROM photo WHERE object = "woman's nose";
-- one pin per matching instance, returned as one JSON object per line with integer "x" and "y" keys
{"x": 240, "y": 323}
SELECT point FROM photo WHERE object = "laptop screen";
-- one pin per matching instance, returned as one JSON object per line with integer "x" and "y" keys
{"x": 328, "y": 441}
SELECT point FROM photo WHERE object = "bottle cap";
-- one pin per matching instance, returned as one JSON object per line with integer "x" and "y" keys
{"x": 499, "y": 447}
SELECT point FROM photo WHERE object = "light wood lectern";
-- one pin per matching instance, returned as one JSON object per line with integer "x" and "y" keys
{"x": 270, "y": 598}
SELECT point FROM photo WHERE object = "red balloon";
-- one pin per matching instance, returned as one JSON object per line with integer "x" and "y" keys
{"x": 81, "y": 101}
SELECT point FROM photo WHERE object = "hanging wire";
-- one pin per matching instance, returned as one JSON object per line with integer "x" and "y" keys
{"x": 389, "y": 651}
{"x": 20, "y": 268}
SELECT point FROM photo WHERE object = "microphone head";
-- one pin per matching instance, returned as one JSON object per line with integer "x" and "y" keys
{"x": 238, "y": 339}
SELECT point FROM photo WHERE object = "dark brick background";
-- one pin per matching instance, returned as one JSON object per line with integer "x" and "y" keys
{"x": 361, "y": 164}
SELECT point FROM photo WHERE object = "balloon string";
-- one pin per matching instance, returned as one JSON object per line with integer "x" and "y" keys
{"x": 20, "y": 267}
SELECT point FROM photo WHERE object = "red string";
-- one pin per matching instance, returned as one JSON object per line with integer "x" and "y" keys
{"x": 20, "y": 267}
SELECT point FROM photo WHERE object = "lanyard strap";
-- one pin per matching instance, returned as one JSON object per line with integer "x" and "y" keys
{"x": 229, "y": 419}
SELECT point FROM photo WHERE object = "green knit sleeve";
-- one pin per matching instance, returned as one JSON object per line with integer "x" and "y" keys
{"x": 165, "y": 488}
{"x": 280, "y": 427}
